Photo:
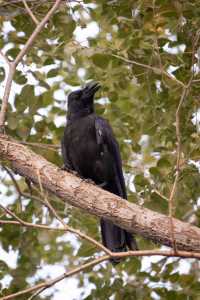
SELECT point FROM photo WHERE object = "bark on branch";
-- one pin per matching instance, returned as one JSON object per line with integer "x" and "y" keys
{"x": 77, "y": 192}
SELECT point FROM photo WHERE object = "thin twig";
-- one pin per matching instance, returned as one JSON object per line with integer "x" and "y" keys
{"x": 184, "y": 95}
{"x": 50, "y": 207}
{"x": 66, "y": 227}
{"x": 49, "y": 283}
{"x": 13, "y": 180}
{"x": 13, "y": 65}
{"x": 160, "y": 194}
{"x": 42, "y": 286}
{"x": 6, "y": 96}
{"x": 42, "y": 145}
{"x": 154, "y": 69}
{"x": 33, "y": 17}
{"x": 182, "y": 253}
{"x": 20, "y": 193}
{"x": 4, "y": 57}
{"x": 8, "y": 211}
{"x": 27, "y": 224}
{"x": 35, "y": 33}
{"x": 77, "y": 232}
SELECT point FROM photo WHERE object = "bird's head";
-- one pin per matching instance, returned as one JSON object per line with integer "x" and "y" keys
{"x": 82, "y": 100}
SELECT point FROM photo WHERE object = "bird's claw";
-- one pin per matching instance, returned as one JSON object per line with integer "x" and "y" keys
{"x": 88, "y": 180}
{"x": 103, "y": 184}
{"x": 68, "y": 169}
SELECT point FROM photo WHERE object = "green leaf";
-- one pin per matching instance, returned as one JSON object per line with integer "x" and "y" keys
{"x": 13, "y": 52}
{"x": 164, "y": 163}
{"x": 48, "y": 61}
{"x": 101, "y": 60}
{"x": 19, "y": 77}
{"x": 52, "y": 73}
{"x": 86, "y": 249}
{"x": 25, "y": 99}
{"x": 141, "y": 180}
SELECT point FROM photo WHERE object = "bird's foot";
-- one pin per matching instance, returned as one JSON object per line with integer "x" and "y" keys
{"x": 102, "y": 185}
{"x": 88, "y": 180}
{"x": 68, "y": 169}
{"x": 28, "y": 182}
{"x": 65, "y": 168}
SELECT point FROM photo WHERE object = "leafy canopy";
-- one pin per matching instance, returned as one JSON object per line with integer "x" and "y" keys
{"x": 130, "y": 47}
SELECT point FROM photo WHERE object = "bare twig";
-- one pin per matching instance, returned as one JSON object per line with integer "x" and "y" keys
{"x": 20, "y": 193}
{"x": 49, "y": 283}
{"x": 183, "y": 254}
{"x": 13, "y": 65}
{"x": 53, "y": 211}
{"x": 184, "y": 95}
{"x": 195, "y": 80}
{"x": 77, "y": 232}
{"x": 26, "y": 224}
{"x": 6, "y": 96}
{"x": 8, "y": 211}
{"x": 178, "y": 151}
{"x": 154, "y": 69}
{"x": 30, "y": 12}
{"x": 35, "y": 33}
{"x": 42, "y": 286}
{"x": 160, "y": 194}
{"x": 65, "y": 227}
{"x": 50, "y": 207}
{"x": 4, "y": 57}
{"x": 14, "y": 180}
{"x": 42, "y": 145}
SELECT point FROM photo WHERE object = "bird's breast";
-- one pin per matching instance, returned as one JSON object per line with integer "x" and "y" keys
{"x": 85, "y": 153}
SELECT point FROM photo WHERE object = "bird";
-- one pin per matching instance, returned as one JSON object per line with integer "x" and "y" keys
{"x": 90, "y": 149}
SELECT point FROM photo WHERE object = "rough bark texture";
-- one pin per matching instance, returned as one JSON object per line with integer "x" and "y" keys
{"x": 77, "y": 192}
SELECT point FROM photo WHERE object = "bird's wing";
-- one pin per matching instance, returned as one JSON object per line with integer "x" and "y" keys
{"x": 105, "y": 137}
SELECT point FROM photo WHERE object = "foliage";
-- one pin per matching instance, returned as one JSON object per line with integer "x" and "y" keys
{"x": 130, "y": 48}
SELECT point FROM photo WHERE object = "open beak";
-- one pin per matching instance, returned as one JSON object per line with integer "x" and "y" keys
{"x": 91, "y": 88}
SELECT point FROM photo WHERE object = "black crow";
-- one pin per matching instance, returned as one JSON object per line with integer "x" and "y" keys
{"x": 90, "y": 149}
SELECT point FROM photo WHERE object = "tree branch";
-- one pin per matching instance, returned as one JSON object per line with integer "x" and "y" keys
{"x": 13, "y": 65}
{"x": 77, "y": 192}
{"x": 184, "y": 95}
{"x": 154, "y": 69}
{"x": 65, "y": 228}
{"x": 44, "y": 285}
{"x": 33, "y": 17}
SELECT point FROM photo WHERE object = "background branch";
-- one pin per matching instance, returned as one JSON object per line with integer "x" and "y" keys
{"x": 33, "y": 17}
{"x": 13, "y": 65}
{"x": 178, "y": 137}
{"x": 43, "y": 286}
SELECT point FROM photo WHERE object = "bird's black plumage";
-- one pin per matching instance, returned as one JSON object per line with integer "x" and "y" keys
{"x": 90, "y": 148}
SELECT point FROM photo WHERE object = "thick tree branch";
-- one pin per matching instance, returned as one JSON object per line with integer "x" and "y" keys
{"x": 77, "y": 192}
